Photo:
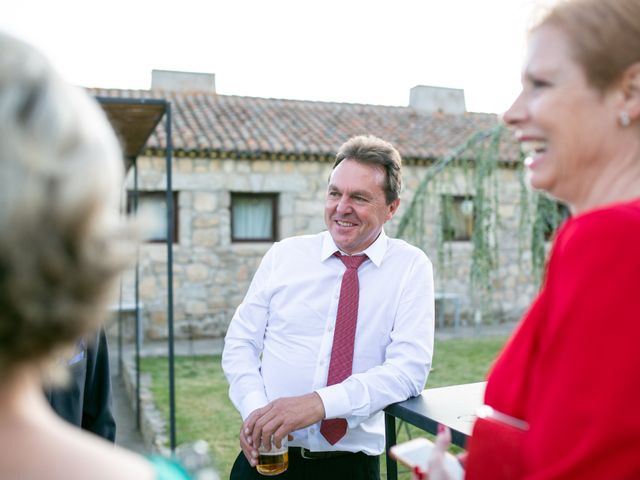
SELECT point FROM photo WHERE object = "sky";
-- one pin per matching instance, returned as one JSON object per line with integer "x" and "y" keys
{"x": 355, "y": 51}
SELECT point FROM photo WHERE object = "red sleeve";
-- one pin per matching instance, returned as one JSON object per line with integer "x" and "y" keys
{"x": 584, "y": 388}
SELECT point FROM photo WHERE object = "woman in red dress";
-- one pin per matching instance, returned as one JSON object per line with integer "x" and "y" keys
{"x": 572, "y": 368}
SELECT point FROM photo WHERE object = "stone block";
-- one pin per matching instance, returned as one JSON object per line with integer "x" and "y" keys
{"x": 143, "y": 163}
{"x": 195, "y": 308}
{"x": 158, "y": 163}
{"x": 148, "y": 287}
{"x": 239, "y": 183}
{"x": 206, "y": 220}
{"x": 286, "y": 226}
{"x": 261, "y": 166}
{"x": 204, "y": 201}
{"x": 309, "y": 208}
{"x": 156, "y": 252}
{"x": 183, "y": 165}
{"x": 216, "y": 303}
{"x": 205, "y": 237}
{"x": 159, "y": 268}
{"x": 286, "y": 183}
{"x": 243, "y": 166}
{"x": 242, "y": 273}
{"x": 197, "y": 273}
{"x": 309, "y": 168}
{"x": 157, "y": 318}
{"x": 185, "y": 200}
{"x": 228, "y": 166}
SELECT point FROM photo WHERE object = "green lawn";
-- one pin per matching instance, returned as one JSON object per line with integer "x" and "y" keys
{"x": 204, "y": 411}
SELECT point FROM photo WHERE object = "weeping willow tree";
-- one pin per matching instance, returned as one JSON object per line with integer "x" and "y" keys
{"x": 473, "y": 168}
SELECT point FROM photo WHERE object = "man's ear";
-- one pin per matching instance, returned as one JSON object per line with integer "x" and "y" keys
{"x": 393, "y": 208}
{"x": 630, "y": 85}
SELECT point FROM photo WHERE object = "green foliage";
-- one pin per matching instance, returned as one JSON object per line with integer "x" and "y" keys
{"x": 549, "y": 215}
{"x": 204, "y": 411}
{"x": 484, "y": 258}
{"x": 463, "y": 360}
{"x": 478, "y": 158}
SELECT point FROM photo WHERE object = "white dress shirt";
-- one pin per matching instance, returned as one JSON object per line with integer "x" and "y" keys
{"x": 279, "y": 341}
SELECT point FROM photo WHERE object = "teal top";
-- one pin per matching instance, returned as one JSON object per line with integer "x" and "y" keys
{"x": 167, "y": 469}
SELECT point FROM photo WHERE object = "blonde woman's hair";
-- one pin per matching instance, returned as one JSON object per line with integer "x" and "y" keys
{"x": 604, "y": 35}
{"x": 62, "y": 240}
{"x": 375, "y": 151}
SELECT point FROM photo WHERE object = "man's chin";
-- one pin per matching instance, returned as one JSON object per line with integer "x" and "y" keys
{"x": 342, "y": 243}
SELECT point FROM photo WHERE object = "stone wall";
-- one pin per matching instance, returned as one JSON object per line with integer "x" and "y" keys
{"x": 212, "y": 274}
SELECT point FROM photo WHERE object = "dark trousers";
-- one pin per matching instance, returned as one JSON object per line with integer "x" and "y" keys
{"x": 355, "y": 466}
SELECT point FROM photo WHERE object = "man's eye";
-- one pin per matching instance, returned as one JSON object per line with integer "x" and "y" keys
{"x": 333, "y": 194}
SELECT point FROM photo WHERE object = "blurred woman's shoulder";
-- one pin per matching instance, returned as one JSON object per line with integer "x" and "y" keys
{"x": 617, "y": 223}
{"x": 67, "y": 453}
{"x": 620, "y": 211}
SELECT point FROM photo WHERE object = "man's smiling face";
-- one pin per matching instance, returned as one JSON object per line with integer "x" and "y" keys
{"x": 356, "y": 206}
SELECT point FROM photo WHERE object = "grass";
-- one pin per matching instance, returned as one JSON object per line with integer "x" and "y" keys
{"x": 204, "y": 411}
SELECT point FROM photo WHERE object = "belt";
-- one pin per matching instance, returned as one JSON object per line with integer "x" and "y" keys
{"x": 309, "y": 455}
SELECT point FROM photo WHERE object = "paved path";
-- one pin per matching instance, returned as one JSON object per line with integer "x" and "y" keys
{"x": 127, "y": 432}
{"x": 471, "y": 331}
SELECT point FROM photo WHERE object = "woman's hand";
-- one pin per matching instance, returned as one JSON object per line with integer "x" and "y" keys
{"x": 436, "y": 466}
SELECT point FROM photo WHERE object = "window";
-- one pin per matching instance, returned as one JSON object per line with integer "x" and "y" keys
{"x": 457, "y": 217}
{"x": 156, "y": 204}
{"x": 253, "y": 217}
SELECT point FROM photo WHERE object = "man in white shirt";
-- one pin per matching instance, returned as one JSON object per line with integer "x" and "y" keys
{"x": 278, "y": 348}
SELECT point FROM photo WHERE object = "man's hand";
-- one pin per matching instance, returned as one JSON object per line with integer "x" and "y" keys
{"x": 278, "y": 419}
{"x": 246, "y": 442}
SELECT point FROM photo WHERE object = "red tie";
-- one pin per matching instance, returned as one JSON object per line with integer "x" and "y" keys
{"x": 341, "y": 363}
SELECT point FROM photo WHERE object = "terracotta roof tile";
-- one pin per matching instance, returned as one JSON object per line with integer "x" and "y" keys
{"x": 205, "y": 122}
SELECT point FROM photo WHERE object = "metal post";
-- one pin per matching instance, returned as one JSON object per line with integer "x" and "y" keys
{"x": 137, "y": 302}
{"x": 170, "y": 229}
{"x": 120, "y": 319}
{"x": 390, "y": 435}
{"x": 123, "y": 211}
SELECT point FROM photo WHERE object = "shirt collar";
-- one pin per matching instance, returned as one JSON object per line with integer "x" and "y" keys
{"x": 375, "y": 251}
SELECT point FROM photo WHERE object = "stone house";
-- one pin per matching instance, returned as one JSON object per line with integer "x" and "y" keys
{"x": 249, "y": 171}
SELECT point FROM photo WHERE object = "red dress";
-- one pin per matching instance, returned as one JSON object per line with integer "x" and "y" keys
{"x": 572, "y": 368}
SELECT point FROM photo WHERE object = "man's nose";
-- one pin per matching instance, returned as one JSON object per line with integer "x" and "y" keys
{"x": 344, "y": 205}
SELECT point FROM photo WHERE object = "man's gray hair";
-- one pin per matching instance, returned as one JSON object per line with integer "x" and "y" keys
{"x": 375, "y": 151}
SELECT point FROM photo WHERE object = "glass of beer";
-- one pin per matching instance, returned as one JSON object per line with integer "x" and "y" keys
{"x": 274, "y": 460}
